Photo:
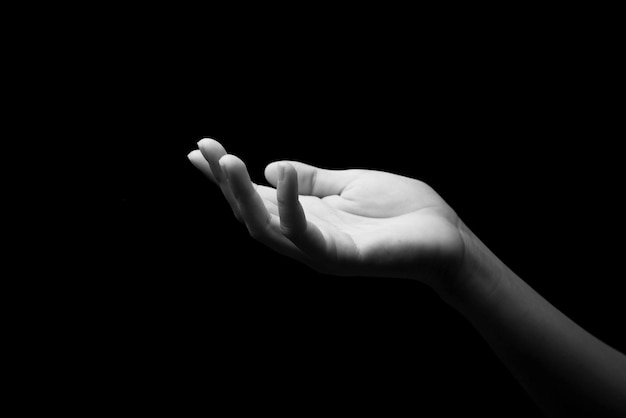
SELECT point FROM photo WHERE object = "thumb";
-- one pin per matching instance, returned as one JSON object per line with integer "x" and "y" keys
{"x": 312, "y": 181}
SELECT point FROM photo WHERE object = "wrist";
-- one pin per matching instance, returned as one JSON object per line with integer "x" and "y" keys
{"x": 479, "y": 276}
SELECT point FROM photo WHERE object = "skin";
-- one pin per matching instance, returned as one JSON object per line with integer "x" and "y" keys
{"x": 373, "y": 223}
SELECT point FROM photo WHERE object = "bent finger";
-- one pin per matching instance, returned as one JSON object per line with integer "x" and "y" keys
{"x": 197, "y": 159}
{"x": 251, "y": 206}
{"x": 293, "y": 223}
{"x": 212, "y": 151}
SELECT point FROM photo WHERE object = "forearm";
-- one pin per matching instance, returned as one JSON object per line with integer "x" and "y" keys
{"x": 564, "y": 368}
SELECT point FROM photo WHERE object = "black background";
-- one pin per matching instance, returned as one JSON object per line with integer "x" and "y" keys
{"x": 176, "y": 306}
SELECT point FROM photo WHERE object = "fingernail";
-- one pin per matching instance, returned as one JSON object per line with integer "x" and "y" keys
{"x": 281, "y": 171}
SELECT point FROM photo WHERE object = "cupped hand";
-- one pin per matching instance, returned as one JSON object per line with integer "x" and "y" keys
{"x": 344, "y": 222}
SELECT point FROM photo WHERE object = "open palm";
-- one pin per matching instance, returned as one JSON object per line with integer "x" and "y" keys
{"x": 347, "y": 222}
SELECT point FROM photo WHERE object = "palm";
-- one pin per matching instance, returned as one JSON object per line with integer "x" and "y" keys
{"x": 382, "y": 224}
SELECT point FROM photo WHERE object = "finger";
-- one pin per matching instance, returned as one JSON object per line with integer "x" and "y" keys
{"x": 251, "y": 206}
{"x": 281, "y": 244}
{"x": 198, "y": 161}
{"x": 293, "y": 223}
{"x": 212, "y": 151}
{"x": 312, "y": 180}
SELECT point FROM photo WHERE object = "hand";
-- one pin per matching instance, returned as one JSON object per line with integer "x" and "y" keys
{"x": 344, "y": 222}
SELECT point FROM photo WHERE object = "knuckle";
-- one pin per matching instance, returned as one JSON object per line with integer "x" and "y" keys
{"x": 287, "y": 230}
{"x": 259, "y": 232}
{"x": 255, "y": 234}
{"x": 282, "y": 199}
